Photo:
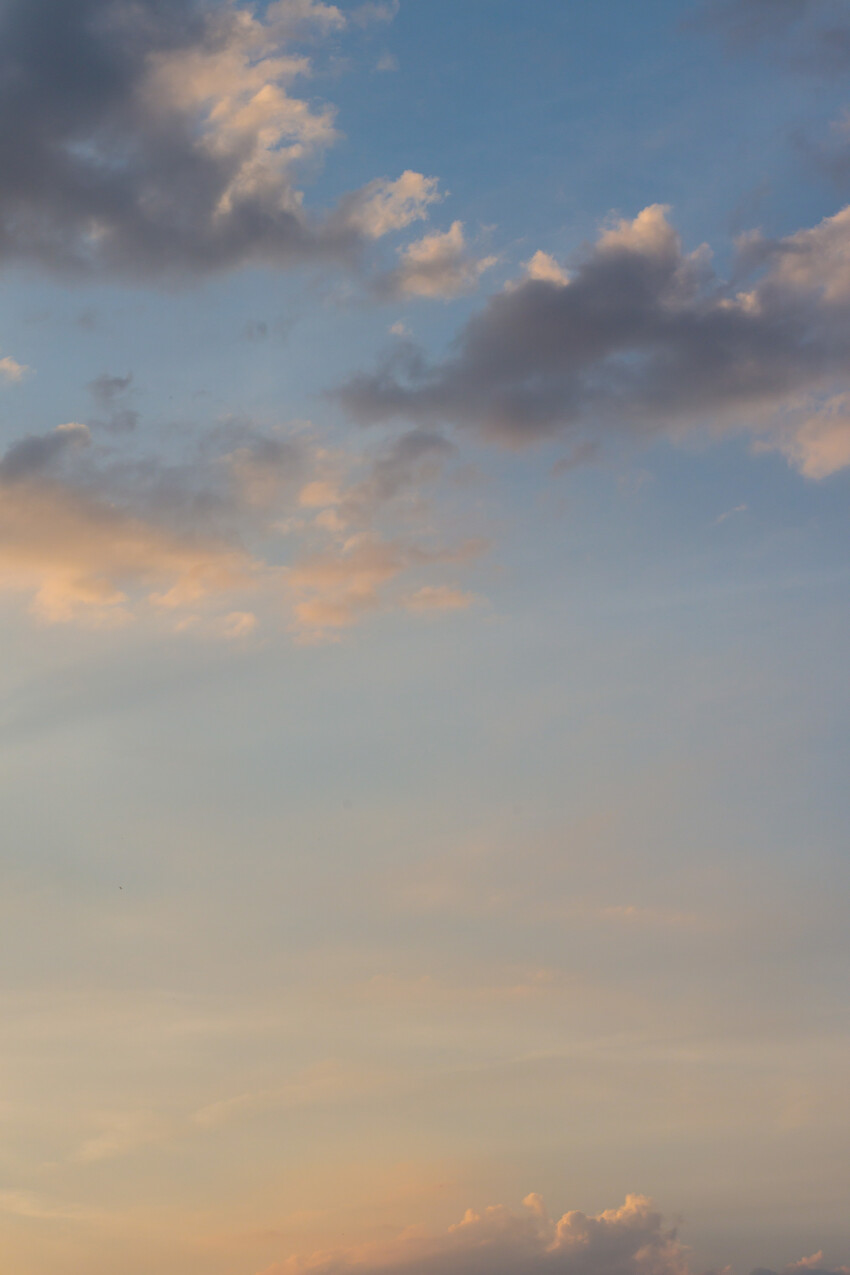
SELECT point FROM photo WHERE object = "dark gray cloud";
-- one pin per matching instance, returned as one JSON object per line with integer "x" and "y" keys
{"x": 159, "y": 138}
{"x": 643, "y": 337}
{"x": 36, "y": 454}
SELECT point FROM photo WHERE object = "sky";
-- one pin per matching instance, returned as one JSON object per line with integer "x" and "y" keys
{"x": 424, "y": 591}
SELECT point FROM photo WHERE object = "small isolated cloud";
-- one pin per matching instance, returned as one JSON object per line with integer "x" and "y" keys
{"x": 730, "y": 513}
{"x": 12, "y": 371}
{"x": 641, "y": 336}
{"x": 434, "y": 599}
{"x": 387, "y": 62}
{"x": 438, "y": 265}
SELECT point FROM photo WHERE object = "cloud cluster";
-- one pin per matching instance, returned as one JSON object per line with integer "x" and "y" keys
{"x": 639, "y": 335}
{"x": 153, "y": 137}
{"x": 629, "y": 1240}
{"x": 245, "y": 519}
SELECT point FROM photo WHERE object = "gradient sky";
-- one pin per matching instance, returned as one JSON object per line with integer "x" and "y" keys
{"x": 425, "y": 598}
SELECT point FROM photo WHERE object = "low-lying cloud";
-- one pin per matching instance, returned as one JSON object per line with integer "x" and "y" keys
{"x": 630, "y": 1240}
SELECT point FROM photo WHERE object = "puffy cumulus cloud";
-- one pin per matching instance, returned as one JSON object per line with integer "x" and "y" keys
{"x": 152, "y": 138}
{"x": 317, "y": 538}
{"x": 438, "y": 265}
{"x": 630, "y": 1240}
{"x": 642, "y": 336}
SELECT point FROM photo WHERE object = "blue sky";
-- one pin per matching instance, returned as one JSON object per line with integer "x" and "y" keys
{"x": 424, "y": 589}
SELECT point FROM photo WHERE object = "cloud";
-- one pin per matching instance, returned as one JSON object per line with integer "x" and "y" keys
{"x": 730, "y": 513}
{"x": 434, "y": 599}
{"x": 334, "y": 589}
{"x": 13, "y": 371}
{"x": 438, "y": 265}
{"x": 80, "y": 556}
{"x": 386, "y": 205}
{"x": 38, "y": 452}
{"x": 545, "y": 267}
{"x": 806, "y": 35}
{"x": 151, "y": 139}
{"x": 630, "y": 1240}
{"x": 642, "y": 337}
{"x": 97, "y": 535}
{"x": 109, "y": 394}
{"x": 120, "y": 1134}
